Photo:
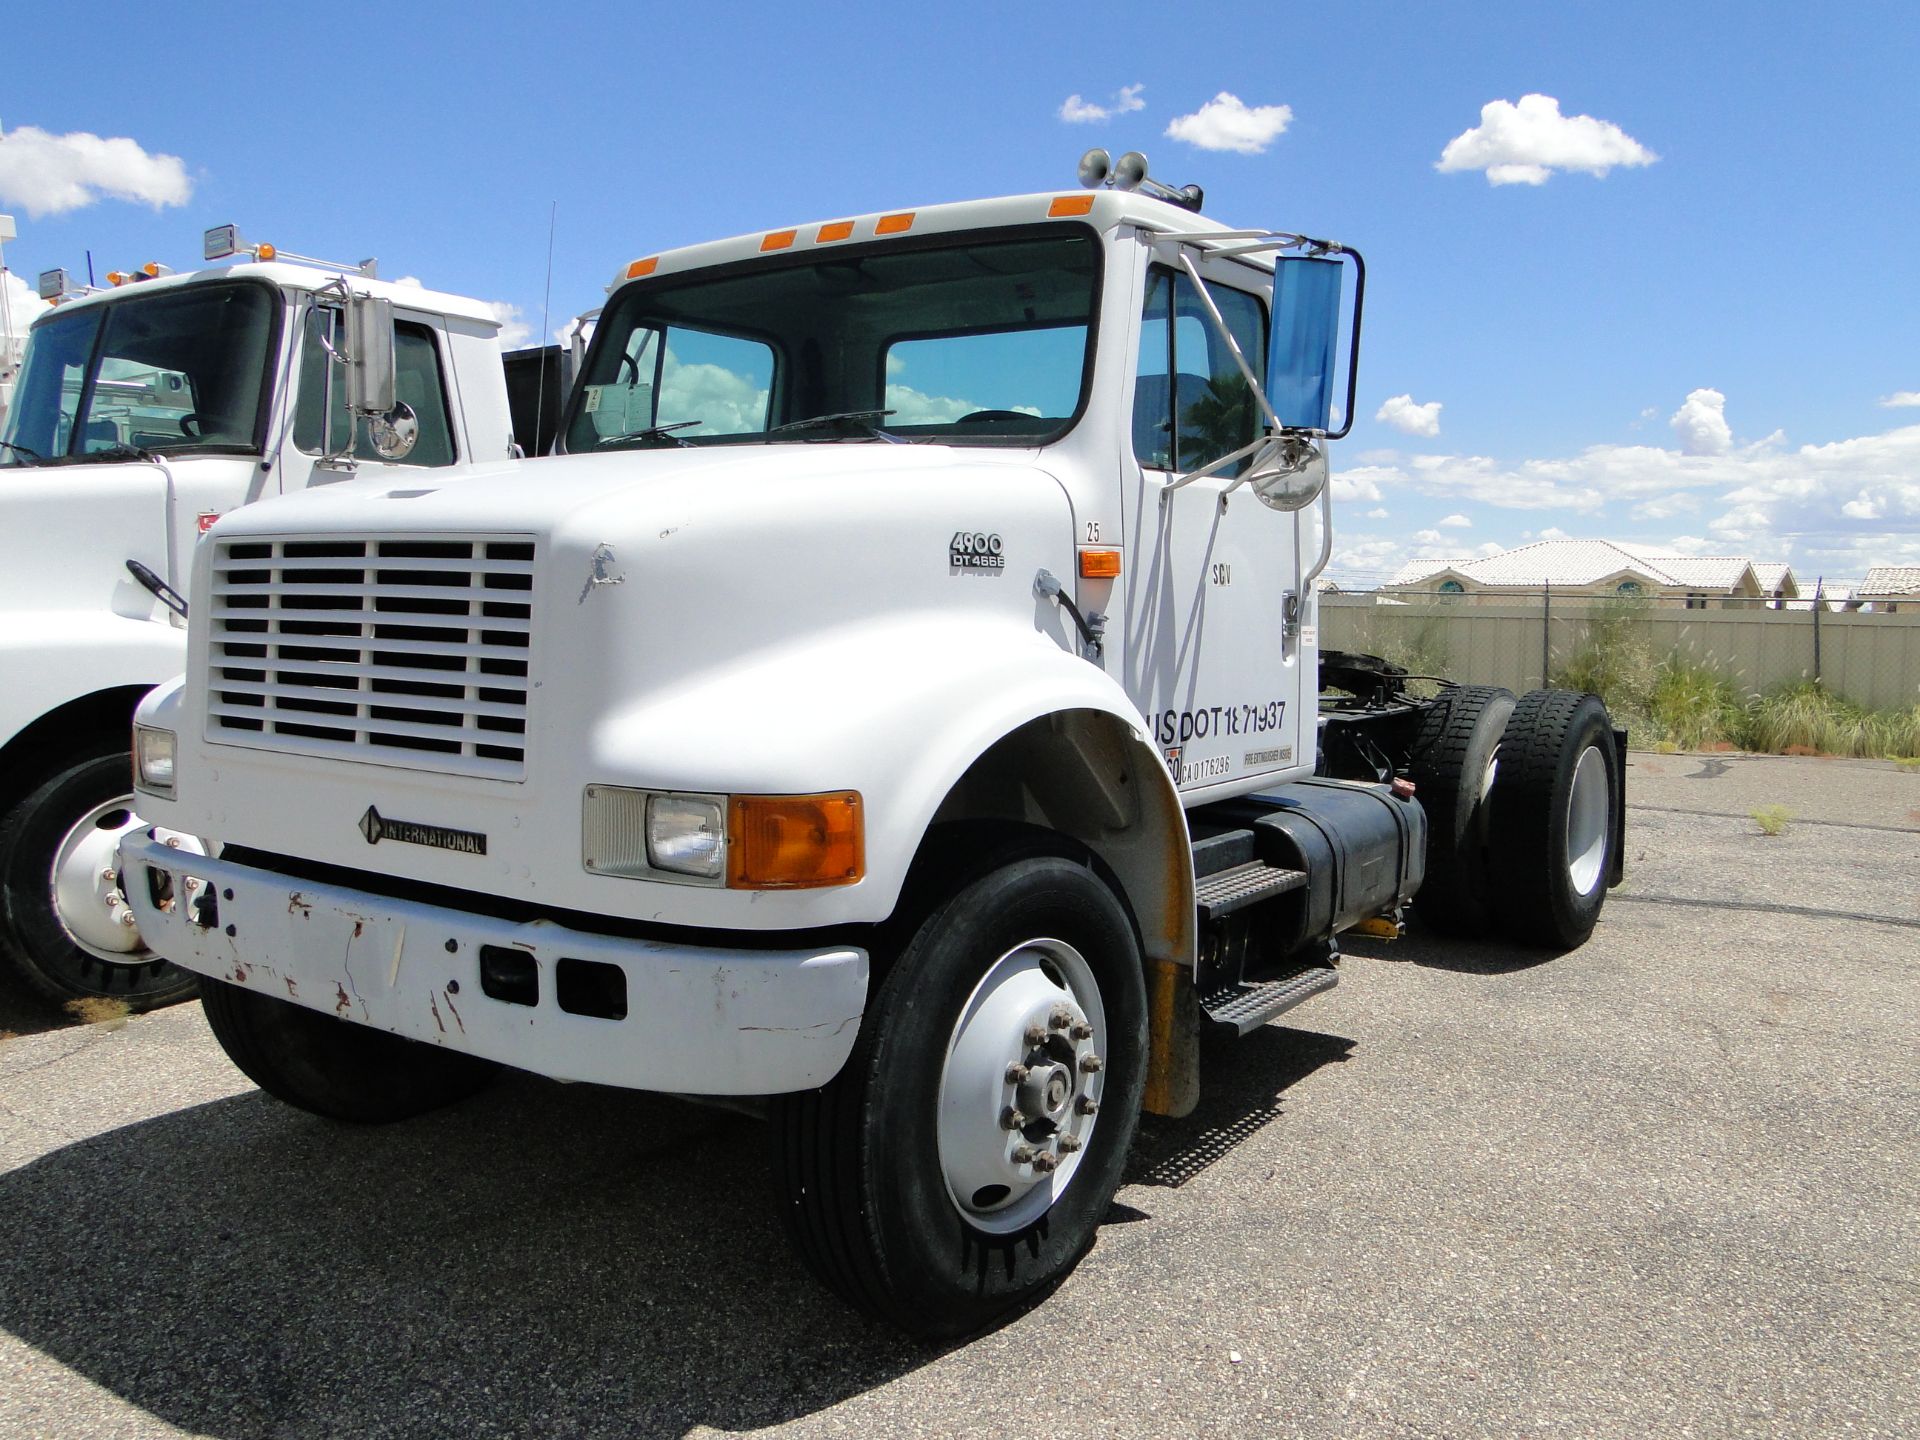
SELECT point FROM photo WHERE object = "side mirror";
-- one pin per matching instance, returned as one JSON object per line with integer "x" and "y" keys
{"x": 395, "y": 433}
{"x": 1288, "y": 473}
{"x": 370, "y": 364}
{"x": 1300, "y": 354}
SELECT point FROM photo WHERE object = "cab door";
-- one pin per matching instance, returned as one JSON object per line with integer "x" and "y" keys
{"x": 1208, "y": 654}
{"x": 321, "y": 425}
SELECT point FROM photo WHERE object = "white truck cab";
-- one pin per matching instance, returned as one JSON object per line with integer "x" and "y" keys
{"x": 901, "y": 705}
{"x": 143, "y": 413}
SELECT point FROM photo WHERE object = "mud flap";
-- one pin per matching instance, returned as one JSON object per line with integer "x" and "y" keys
{"x": 1618, "y": 871}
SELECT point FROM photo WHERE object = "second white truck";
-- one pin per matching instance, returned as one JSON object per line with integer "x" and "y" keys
{"x": 144, "y": 412}
{"x": 901, "y": 707}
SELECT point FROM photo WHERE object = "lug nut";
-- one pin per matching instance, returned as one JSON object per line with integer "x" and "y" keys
{"x": 1081, "y": 1031}
{"x": 128, "y": 919}
{"x": 1090, "y": 1063}
{"x": 1069, "y": 1144}
{"x": 1086, "y": 1105}
{"x": 1012, "y": 1119}
{"x": 108, "y": 876}
{"x": 1036, "y": 1035}
{"x": 1023, "y": 1154}
{"x": 1017, "y": 1074}
{"x": 1059, "y": 1018}
{"x": 1046, "y": 1162}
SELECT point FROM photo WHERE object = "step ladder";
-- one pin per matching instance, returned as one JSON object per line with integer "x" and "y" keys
{"x": 1248, "y": 1005}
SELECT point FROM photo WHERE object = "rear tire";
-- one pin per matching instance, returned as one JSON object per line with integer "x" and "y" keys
{"x": 61, "y": 916}
{"x": 1552, "y": 820}
{"x": 903, "y": 1186}
{"x": 333, "y": 1067}
{"x": 1456, "y": 756}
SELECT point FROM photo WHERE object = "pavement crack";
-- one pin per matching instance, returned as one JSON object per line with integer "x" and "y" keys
{"x": 1764, "y": 907}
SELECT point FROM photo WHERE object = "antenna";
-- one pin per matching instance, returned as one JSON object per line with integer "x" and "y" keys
{"x": 546, "y": 306}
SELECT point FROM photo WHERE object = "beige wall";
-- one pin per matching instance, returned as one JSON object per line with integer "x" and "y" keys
{"x": 1874, "y": 659}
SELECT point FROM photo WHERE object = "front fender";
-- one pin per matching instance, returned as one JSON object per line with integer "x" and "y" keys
{"x": 898, "y": 708}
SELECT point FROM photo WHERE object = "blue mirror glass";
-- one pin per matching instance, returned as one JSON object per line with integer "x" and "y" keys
{"x": 1300, "y": 357}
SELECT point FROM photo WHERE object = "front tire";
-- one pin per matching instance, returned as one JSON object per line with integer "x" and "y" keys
{"x": 1553, "y": 822}
{"x": 66, "y": 926}
{"x": 333, "y": 1067}
{"x": 959, "y": 1165}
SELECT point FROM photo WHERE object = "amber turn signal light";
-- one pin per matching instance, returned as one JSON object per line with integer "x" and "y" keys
{"x": 1099, "y": 564}
{"x": 795, "y": 842}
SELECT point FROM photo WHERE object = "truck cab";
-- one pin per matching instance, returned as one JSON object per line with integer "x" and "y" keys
{"x": 143, "y": 413}
{"x": 900, "y": 709}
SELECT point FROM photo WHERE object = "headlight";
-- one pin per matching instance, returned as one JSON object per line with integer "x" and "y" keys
{"x": 686, "y": 835}
{"x": 640, "y": 833}
{"x": 153, "y": 761}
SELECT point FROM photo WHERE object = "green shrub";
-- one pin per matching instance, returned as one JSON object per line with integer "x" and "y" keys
{"x": 1772, "y": 819}
{"x": 1695, "y": 707}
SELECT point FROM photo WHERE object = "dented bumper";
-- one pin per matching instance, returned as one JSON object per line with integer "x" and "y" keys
{"x": 646, "y": 1015}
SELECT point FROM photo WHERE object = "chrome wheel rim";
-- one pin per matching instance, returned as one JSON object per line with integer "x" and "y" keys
{"x": 1021, "y": 1085}
{"x": 1588, "y": 805}
{"x": 84, "y": 884}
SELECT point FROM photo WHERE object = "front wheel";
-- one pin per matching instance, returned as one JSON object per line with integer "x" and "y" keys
{"x": 68, "y": 928}
{"x": 959, "y": 1165}
{"x": 333, "y": 1067}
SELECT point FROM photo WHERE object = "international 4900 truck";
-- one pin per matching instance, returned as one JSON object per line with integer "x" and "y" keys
{"x": 901, "y": 707}
{"x": 144, "y": 412}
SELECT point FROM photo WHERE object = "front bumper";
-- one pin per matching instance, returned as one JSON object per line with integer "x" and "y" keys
{"x": 699, "y": 1020}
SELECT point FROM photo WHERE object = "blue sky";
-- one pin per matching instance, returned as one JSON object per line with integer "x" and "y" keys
{"x": 1765, "y": 258}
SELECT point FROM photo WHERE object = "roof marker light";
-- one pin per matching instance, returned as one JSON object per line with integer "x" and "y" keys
{"x": 778, "y": 239}
{"x": 834, "y": 230}
{"x": 640, "y": 268}
{"x": 1070, "y": 205}
{"x": 894, "y": 224}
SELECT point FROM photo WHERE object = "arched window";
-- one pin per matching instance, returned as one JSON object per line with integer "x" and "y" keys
{"x": 1452, "y": 587}
{"x": 1629, "y": 588}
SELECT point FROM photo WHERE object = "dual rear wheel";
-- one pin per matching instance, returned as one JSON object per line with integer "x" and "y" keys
{"x": 1521, "y": 799}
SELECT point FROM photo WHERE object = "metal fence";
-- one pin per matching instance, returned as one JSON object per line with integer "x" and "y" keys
{"x": 1873, "y": 659}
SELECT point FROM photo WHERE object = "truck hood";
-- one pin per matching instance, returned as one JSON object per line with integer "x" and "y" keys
{"x": 558, "y": 493}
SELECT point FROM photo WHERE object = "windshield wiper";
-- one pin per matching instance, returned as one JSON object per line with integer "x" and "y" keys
{"x": 18, "y": 449}
{"x": 651, "y": 434}
{"x": 115, "y": 451}
{"x": 855, "y": 418}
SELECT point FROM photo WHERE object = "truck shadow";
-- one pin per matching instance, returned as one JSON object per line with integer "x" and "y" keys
{"x": 555, "y": 1259}
{"x": 1421, "y": 946}
{"x": 1244, "y": 1082}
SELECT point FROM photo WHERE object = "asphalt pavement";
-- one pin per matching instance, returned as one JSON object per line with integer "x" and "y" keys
{"x": 1667, "y": 1185}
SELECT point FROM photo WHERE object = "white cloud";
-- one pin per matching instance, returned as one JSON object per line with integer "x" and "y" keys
{"x": 1379, "y": 512}
{"x": 1901, "y": 399}
{"x": 1455, "y": 522}
{"x": 514, "y": 331}
{"x": 412, "y": 282}
{"x": 1228, "y": 123}
{"x": 1410, "y": 419}
{"x": 1524, "y": 143}
{"x": 1429, "y": 537}
{"x": 47, "y": 174}
{"x": 1864, "y": 507}
{"x": 1665, "y": 507}
{"x": 1701, "y": 423}
{"x": 1356, "y": 485}
{"x": 1076, "y": 111}
{"x": 23, "y": 307}
{"x": 727, "y": 403}
{"x": 1554, "y": 532}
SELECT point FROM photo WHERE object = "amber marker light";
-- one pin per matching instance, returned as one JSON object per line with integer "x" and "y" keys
{"x": 1071, "y": 205}
{"x": 894, "y": 224}
{"x": 264, "y": 252}
{"x": 778, "y": 240}
{"x": 835, "y": 230}
{"x": 1099, "y": 564}
{"x": 640, "y": 268}
{"x": 795, "y": 842}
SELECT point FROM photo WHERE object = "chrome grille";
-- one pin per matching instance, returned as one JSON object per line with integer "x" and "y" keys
{"x": 409, "y": 651}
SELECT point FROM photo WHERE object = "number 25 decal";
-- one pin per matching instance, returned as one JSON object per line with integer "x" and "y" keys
{"x": 1093, "y": 532}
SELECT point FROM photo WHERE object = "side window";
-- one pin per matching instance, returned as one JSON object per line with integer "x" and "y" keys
{"x": 995, "y": 382}
{"x": 699, "y": 382}
{"x": 417, "y": 381}
{"x": 1191, "y": 403}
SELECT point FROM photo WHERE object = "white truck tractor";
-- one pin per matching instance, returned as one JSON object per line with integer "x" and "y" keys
{"x": 143, "y": 413}
{"x": 900, "y": 707}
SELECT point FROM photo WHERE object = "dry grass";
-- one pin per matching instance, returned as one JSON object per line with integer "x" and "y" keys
{"x": 97, "y": 1010}
{"x": 1772, "y": 819}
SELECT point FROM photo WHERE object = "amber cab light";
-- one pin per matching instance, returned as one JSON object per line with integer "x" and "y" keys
{"x": 1099, "y": 564}
{"x": 794, "y": 842}
{"x": 1071, "y": 205}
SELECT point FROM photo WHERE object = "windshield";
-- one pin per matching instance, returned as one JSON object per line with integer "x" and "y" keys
{"x": 183, "y": 369}
{"x": 971, "y": 340}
